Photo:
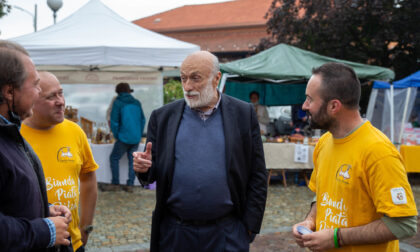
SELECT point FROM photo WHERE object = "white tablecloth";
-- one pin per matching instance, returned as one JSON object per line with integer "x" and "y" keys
{"x": 281, "y": 156}
{"x": 101, "y": 153}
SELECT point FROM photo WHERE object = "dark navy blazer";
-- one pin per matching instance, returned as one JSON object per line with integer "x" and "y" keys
{"x": 247, "y": 175}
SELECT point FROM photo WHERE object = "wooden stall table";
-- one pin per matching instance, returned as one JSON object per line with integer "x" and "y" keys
{"x": 411, "y": 157}
{"x": 280, "y": 156}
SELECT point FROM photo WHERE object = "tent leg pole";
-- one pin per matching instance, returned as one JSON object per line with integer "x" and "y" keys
{"x": 403, "y": 118}
{"x": 392, "y": 113}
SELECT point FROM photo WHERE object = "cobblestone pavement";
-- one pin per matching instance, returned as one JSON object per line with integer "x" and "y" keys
{"x": 122, "y": 220}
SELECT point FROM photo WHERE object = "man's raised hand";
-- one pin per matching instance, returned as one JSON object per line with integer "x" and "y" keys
{"x": 142, "y": 161}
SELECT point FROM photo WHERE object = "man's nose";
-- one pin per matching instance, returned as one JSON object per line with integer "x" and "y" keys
{"x": 305, "y": 106}
{"x": 59, "y": 101}
{"x": 187, "y": 85}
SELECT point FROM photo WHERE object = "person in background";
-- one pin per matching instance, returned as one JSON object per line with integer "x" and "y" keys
{"x": 414, "y": 120}
{"x": 109, "y": 110}
{"x": 364, "y": 201}
{"x": 261, "y": 111}
{"x": 206, "y": 156}
{"x": 65, "y": 154}
{"x": 127, "y": 124}
{"x": 27, "y": 222}
{"x": 302, "y": 126}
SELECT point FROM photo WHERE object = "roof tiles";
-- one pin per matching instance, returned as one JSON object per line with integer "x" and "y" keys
{"x": 207, "y": 16}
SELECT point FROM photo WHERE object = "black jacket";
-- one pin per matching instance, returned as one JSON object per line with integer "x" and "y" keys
{"x": 23, "y": 196}
{"x": 247, "y": 175}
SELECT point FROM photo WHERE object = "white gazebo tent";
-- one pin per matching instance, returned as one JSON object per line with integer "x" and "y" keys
{"x": 95, "y": 46}
{"x": 95, "y": 38}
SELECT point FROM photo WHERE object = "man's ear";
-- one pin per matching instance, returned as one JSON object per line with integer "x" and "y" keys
{"x": 7, "y": 92}
{"x": 216, "y": 79}
{"x": 334, "y": 106}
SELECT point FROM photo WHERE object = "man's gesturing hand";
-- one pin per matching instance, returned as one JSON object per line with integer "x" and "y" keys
{"x": 143, "y": 160}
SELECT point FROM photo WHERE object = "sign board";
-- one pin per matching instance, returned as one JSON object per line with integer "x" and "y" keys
{"x": 99, "y": 77}
{"x": 301, "y": 153}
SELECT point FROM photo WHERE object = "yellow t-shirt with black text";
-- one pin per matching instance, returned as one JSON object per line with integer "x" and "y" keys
{"x": 357, "y": 180}
{"x": 64, "y": 153}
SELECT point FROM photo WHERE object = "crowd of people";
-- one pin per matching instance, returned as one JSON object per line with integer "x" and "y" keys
{"x": 206, "y": 156}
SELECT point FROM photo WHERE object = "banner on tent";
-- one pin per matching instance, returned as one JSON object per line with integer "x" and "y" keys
{"x": 89, "y": 77}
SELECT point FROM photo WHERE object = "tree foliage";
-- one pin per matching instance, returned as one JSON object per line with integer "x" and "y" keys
{"x": 4, "y": 8}
{"x": 172, "y": 91}
{"x": 378, "y": 32}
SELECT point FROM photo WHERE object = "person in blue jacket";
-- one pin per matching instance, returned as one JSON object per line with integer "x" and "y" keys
{"x": 127, "y": 124}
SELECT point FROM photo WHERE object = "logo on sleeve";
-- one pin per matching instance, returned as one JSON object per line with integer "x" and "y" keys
{"x": 398, "y": 196}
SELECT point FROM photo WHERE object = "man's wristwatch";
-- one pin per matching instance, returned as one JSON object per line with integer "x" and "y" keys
{"x": 88, "y": 229}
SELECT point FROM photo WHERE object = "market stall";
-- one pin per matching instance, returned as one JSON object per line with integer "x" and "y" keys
{"x": 96, "y": 46}
{"x": 391, "y": 105}
{"x": 287, "y": 156}
{"x": 94, "y": 49}
{"x": 279, "y": 74}
{"x": 101, "y": 152}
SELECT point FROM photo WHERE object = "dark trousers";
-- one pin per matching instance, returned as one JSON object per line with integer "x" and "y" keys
{"x": 229, "y": 235}
{"x": 118, "y": 151}
{"x": 81, "y": 249}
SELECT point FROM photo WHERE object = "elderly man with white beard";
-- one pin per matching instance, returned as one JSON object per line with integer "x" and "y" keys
{"x": 206, "y": 154}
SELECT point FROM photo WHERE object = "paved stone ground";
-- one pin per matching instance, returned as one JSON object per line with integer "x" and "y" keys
{"x": 122, "y": 220}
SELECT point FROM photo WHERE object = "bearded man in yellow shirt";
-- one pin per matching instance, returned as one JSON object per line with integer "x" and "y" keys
{"x": 66, "y": 157}
{"x": 363, "y": 199}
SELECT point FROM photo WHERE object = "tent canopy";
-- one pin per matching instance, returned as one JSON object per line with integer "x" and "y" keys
{"x": 96, "y": 35}
{"x": 280, "y": 74}
{"x": 285, "y": 62}
{"x": 389, "y": 109}
{"x": 412, "y": 80}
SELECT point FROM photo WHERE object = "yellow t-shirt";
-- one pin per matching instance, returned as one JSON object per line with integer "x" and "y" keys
{"x": 357, "y": 180}
{"x": 64, "y": 153}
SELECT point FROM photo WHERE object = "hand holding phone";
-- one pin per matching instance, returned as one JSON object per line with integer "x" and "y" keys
{"x": 303, "y": 230}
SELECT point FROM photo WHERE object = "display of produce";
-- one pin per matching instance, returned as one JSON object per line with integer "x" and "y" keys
{"x": 97, "y": 133}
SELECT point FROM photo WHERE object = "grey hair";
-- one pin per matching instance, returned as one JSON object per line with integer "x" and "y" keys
{"x": 216, "y": 66}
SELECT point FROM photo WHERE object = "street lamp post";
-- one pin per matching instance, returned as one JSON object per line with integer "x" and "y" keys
{"x": 55, "y": 5}
{"x": 33, "y": 15}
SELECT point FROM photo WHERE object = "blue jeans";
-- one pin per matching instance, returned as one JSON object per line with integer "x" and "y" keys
{"x": 117, "y": 152}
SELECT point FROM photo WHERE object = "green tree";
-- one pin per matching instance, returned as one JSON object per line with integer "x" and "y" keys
{"x": 4, "y": 8}
{"x": 377, "y": 32}
{"x": 172, "y": 91}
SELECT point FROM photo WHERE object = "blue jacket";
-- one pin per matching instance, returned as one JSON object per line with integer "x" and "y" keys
{"x": 127, "y": 119}
{"x": 23, "y": 194}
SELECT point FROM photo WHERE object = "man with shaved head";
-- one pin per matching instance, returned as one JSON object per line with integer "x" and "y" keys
{"x": 206, "y": 155}
{"x": 66, "y": 157}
